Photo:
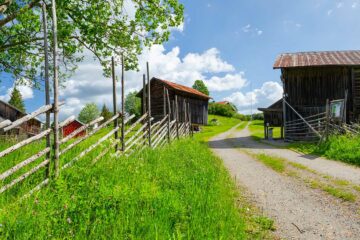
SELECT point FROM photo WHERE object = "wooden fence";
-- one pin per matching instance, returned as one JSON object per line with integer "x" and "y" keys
{"x": 132, "y": 136}
{"x": 316, "y": 127}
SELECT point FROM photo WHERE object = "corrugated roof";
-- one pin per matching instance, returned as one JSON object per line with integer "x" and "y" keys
{"x": 307, "y": 59}
{"x": 182, "y": 88}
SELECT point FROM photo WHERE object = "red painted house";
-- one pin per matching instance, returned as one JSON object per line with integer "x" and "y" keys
{"x": 71, "y": 127}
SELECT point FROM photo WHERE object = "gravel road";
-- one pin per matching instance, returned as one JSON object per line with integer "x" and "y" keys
{"x": 299, "y": 211}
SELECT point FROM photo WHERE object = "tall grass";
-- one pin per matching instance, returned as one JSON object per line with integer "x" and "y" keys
{"x": 180, "y": 191}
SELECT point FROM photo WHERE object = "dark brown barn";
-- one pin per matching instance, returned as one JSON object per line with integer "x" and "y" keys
{"x": 9, "y": 112}
{"x": 273, "y": 117}
{"x": 71, "y": 127}
{"x": 198, "y": 101}
{"x": 310, "y": 78}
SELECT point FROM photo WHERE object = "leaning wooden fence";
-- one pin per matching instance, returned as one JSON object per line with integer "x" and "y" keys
{"x": 119, "y": 130}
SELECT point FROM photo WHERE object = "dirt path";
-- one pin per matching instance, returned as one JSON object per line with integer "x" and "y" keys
{"x": 299, "y": 211}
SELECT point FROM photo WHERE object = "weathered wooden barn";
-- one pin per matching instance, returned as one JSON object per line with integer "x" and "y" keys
{"x": 198, "y": 102}
{"x": 311, "y": 78}
{"x": 273, "y": 117}
{"x": 9, "y": 112}
{"x": 71, "y": 127}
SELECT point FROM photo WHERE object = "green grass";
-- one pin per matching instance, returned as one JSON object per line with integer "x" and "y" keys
{"x": 275, "y": 163}
{"x": 256, "y": 128}
{"x": 223, "y": 124}
{"x": 179, "y": 191}
{"x": 343, "y": 148}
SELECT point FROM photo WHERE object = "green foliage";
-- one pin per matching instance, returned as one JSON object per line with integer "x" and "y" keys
{"x": 16, "y": 100}
{"x": 256, "y": 116}
{"x": 133, "y": 104}
{"x": 89, "y": 113}
{"x": 345, "y": 148}
{"x": 105, "y": 28}
{"x": 105, "y": 113}
{"x": 221, "y": 110}
{"x": 201, "y": 87}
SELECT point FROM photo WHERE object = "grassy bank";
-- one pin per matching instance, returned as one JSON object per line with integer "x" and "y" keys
{"x": 343, "y": 148}
{"x": 179, "y": 191}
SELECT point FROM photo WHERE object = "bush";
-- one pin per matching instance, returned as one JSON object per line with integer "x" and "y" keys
{"x": 344, "y": 148}
{"x": 221, "y": 110}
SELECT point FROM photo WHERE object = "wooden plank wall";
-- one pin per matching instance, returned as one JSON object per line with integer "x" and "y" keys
{"x": 198, "y": 107}
{"x": 308, "y": 89}
{"x": 356, "y": 93}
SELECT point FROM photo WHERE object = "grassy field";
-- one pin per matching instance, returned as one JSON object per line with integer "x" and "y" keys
{"x": 179, "y": 191}
{"x": 256, "y": 128}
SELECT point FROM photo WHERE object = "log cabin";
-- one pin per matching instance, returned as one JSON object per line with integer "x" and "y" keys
{"x": 198, "y": 102}
{"x": 310, "y": 79}
{"x": 9, "y": 112}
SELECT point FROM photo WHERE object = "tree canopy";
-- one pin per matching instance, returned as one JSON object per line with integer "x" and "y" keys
{"x": 104, "y": 27}
{"x": 133, "y": 104}
{"x": 89, "y": 113}
{"x": 16, "y": 100}
{"x": 201, "y": 87}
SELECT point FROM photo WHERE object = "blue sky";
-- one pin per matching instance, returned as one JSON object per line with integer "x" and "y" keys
{"x": 232, "y": 45}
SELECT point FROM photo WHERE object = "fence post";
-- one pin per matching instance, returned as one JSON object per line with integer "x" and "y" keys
{"x": 116, "y": 122}
{"x": 327, "y": 118}
{"x": 177, "y": 116}
{"x": 56, "y": 92}
{"x": 47, "y": 87}
{"x": 149, "y": 101}
{"x": 169, "y": 114}
{"x": 122, "y": 104}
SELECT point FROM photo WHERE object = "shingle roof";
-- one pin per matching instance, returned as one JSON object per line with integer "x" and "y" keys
{"x": 182, "y": 88}
{"x": 307, "y": 59}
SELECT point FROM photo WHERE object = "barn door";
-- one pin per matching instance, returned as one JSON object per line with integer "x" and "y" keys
{"x": 356, "y": 93}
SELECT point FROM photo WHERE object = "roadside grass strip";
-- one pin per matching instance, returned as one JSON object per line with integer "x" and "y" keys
{"x": 338, "y": 188}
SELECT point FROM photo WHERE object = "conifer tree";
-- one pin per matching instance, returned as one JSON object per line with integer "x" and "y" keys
{"x": 16, "y": 100}
{"x": 105, "y": 113}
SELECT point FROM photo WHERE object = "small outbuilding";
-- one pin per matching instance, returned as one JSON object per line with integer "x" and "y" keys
{"x": 9, "y": 112}
{"x": 197, "y": 101}
{"x": 71, "y": 127}
{"x": 273, "y": 117}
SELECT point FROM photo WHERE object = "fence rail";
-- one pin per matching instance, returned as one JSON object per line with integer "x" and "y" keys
{"x": 136, "y": 136}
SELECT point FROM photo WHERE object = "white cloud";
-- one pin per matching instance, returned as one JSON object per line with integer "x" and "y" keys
{"x": 251, "y": 30}
{"x": 228, "y": 82}
{"x": 260, "y": 97}
{"x": 355, "y": 5}
{"x": 89, "y": 85}
{"x": 329, "y": 12}
{"x": 26, "y": 92}
{"x": 246, "y": 28}
{"x": 339, "y": 5}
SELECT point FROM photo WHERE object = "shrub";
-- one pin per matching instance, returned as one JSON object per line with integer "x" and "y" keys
{"x": 221, "y": 110}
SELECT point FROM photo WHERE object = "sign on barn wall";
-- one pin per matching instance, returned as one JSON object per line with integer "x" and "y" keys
{"x": 337, "y": 109}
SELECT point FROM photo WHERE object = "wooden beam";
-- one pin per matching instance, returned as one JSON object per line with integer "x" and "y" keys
{"x": 56, "y": 91}
{"x": 116, "y": 122}
{"x": 122, "y": 103}
{"x": 149, "y": 101}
